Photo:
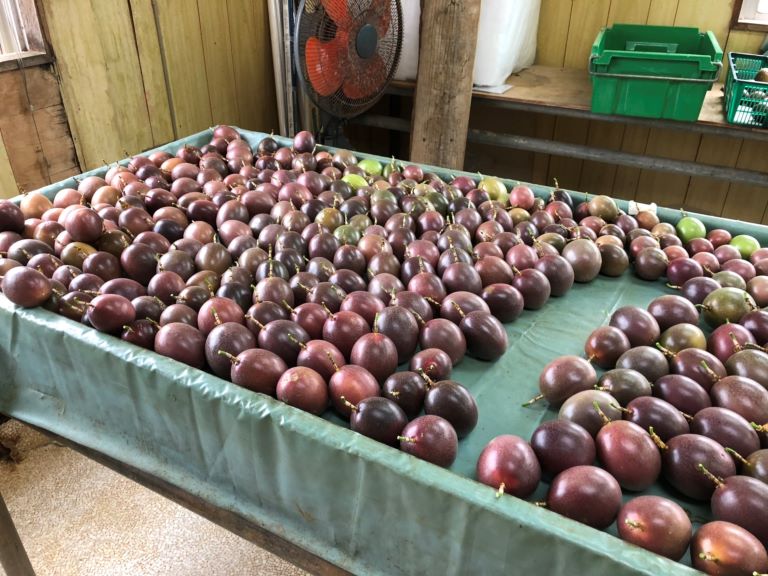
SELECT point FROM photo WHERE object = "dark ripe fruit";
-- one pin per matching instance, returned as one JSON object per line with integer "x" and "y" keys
{"x": 742, "y": 395}
{"x": 303, "y": 388}
{"x": 262, "y": 313}
{"x": 363, "y": 303}
{"x": 696, "y": 289}
{"x": 259, "y": 370}
{"x": 656, "y": 524}
{"x": 84, "y": 225}
{"x": 178, "y": 313}
{"x": 558, "y": 271}
{"x": 757, "y": 465}
{"x": 584, "y": 257}
{"x": 681, "y": 457}
{"x": 651, "y": 263}
{"x": 343, "y": 329}
{"x": 174, "y": 261}
{"x": 614, "y": 260}
{"x": 376, "y": 353}
{"x": 86, "y": 283}
{"x": 166, "y": 286}
{"x": 493, "y": 270}
{"x": 351, "y": 384}
{"x": 624, "y": 384}
{"x": 629, "y": 454}
{"x": 430, "y": 438}
{"x": 26, "y": 287}
{"x": 604, "y": 346}
{"x": 509, "y": 464}
{"x": 757, "y": 323}
{"x": 521, "y": 257}
{"x": 666, "y": 420}
{"x": 11, "y": 217}
{"x": 699, "y": 365}
{"x": 110, "y": 312}
{"x": 682, "y": 392}
{"x": 400, "y": 325}
{"x": 183, "y": 343}
{"x": 434, "y": 362}
{"x": 414, "y": 303}
{"x": 147, "y": 307}
{"x": 587, "y": 494}
{"x": 224, "y": 343}
{"x": 350, "y": 281}
{"x": 407, "y": 389}
{"x": 284, "y": 338}
{"x": 727, "y": 428}
{"x": 565, "y": 376}
{"x": 722, "y": 548}
{"x": 327, "y": 294}
{"x": 217, "y": 311}
{"x": 640, "y": 327}
{"x": 504, "y": 301}
{"x": 311, "y": 317}
{"x": 452, "y": 401}
{"x": 671, "y": 309}
{"x": 429, "y": 286}
{"x": 462, "y": 276}
{"x": 727, "y": 339}
{"x": 562, "y": 444}
{"x": 485, "y": 336}
{"x": 457, "y": 304}
{"x": 726, "y": 305}
{"x": 141, "y": 333}
{"x": 580, "y": 408}
{"x": 444, "y": 335}
{"x": 24, "y": 250}
{"x": 680, "y": 337}
{"x": 649, "y": 361}
{"x": 213, "y": 256}
{"x": 729, "y": 279}
{"x": 273, "y": 290}
{"x": 534, "y": 287}
{"x": 323, "y": 357}
{"x": 750, "y": 363}
{"x": 139, "y": 262}
{"x": 680, "y": 270}
{"x": 378, "y": 418}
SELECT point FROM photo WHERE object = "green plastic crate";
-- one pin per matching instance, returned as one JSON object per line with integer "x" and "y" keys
{"x": 746, "y": 99}
{"x": 653, "y": 71}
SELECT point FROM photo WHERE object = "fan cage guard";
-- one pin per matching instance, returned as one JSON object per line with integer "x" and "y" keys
{"x": 313, "y": 20}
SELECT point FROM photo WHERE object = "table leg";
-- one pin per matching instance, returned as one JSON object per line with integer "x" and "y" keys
{"x": 13, "y": 557}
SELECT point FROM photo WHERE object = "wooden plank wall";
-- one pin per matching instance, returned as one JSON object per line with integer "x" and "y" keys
{"x": 159, "y": 70}
{"x": 567, "y": 29}
{"x": 36, "y": 147}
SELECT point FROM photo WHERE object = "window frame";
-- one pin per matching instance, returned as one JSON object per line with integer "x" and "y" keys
{"x": 740, "y": 23}
{"x": 36, "y": 51}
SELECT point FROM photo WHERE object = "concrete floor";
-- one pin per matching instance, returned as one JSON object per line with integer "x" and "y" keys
{"x": 78, "y": 518}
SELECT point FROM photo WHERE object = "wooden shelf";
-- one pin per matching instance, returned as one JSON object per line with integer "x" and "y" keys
{"x": 568, "y": 91}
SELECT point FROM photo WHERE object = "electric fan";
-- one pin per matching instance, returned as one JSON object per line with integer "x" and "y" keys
{"x": 346, "y": 52}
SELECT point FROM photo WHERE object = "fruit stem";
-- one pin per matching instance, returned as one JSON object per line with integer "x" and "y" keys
{"x": 752, "y": 346}
{"x": 633, "y": 524}
{"x": 759, "y": 428}
{"x": 296, "y": 341}
{"x": 500, "y": 491}
{"x": 409, "y": 439}
{"x": 540, "y": 504}
{"x": 533, "y": 400}
{"x": 738, "y": 457}
{"x": 226, "y": 354}
{"x": 426, "y": 378}
{"x": 703, "y": 469}
{"x": 418, "y": 317}
{"x": 656, "y": 439}
{"x": 666, "y": 351}
{"x": 376, "y": 323}
{"x": 711, "y": 373}
{"x": 333, "y": 362}
{"x": 217, "y": 318}
{"x": 348, "y": 404}
{"x": 458, "y": 308}
{"x": 619, "y": 408}
{"x": 687, "y": 416}
{"x": 673, "y": 286}
{"x": 287, "y": 306}
{"x": 709, "y": 557}
{"x": 737, "y": 347}
{"x": 600, "y": 413}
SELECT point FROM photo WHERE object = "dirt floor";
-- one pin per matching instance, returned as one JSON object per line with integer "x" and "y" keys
{"x": 78, "y": 518}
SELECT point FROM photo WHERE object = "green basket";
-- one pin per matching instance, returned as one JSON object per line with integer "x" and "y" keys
{"x": 653, "y": 71}
{"x": 746, "y": 99}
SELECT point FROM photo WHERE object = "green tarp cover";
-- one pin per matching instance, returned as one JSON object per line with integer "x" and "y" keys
{"x": 366, "y": 507}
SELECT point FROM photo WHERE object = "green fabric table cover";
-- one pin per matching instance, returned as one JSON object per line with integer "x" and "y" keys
{"x": 366, "y": 507}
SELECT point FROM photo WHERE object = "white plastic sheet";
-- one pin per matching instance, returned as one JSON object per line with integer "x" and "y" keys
{"x": 506, "y": 39}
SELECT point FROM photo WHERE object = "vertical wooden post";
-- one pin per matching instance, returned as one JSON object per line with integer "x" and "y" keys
{"x": 444, "y": 85}
{"x": 13, "y": 557}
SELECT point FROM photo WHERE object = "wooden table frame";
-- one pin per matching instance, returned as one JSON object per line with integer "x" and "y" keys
{"x": 16, "y": 563}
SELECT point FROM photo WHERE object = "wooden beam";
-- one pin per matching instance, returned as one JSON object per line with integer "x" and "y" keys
{"x": 444, "y": 86}
{"x": 13, "y": 557}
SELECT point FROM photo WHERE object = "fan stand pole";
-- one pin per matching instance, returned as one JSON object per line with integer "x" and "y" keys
{"x": 444, "y": 83}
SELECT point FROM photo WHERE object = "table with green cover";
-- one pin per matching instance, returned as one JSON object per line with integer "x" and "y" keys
{"x": 360, "y": 505}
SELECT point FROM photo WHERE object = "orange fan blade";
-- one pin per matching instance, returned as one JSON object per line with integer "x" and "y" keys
{"x": 381, "y": 16}
{"x": 366, "y": 78}
{"x": 339, "y": 12}
{"x": 325, "y": 61}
